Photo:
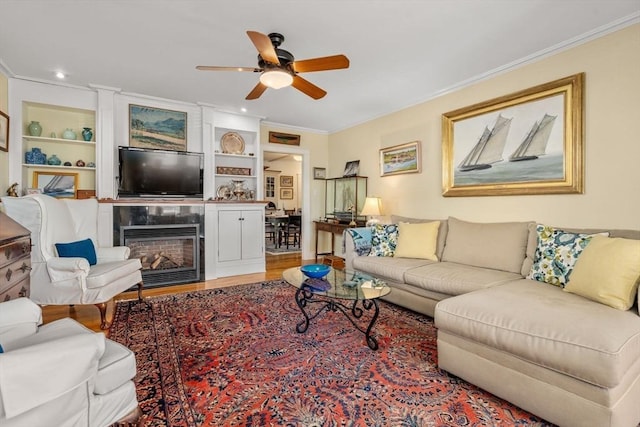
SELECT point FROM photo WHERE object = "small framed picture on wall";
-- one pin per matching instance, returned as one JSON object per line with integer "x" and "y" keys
{"x": 286, "y": 181}
{"x": 319, "y": 173}
{"x": 286, "y": 193}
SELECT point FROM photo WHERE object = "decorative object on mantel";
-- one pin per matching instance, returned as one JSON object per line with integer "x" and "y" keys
{"x": 80, "y": 163}
{"x": 87, "y": 134}
{"x": 91, "y": 165}
{"x": 284, "y": 138}
{"x": 373, "y": 208}
{"x": 12, "y": 191}
{"x": 232, "y": 143}
{"x": 67, "y": 163}
{"x": 34, "y": 128}
{"x": 69, "y": 134}
{"x": 54, "y": 160}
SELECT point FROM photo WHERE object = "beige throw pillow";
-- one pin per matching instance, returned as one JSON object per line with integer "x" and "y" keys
{"x": 417, "y": 240}
{"x": 607, "y": 271}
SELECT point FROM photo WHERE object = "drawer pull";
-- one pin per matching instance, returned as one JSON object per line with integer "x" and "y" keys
{"x": 8, "y": 274}
{"x": 25, "y": 267}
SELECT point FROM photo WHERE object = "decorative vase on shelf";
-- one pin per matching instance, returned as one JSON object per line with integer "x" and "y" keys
{"x": 35, "y": 129}
{"x": 69, "y": 134}
{"x": 87, "y": 134}
{"x": 54, "y": 160}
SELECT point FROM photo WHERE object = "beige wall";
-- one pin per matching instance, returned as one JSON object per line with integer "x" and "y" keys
{"x": 612, "y": 125}
{"x": 4, "y": 157}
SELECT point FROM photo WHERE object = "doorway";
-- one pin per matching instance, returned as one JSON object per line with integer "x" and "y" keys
{"x": 285, "y": 169}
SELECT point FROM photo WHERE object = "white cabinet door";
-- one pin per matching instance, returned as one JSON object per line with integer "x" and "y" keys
{"x": 229, "y": 235}
{"x": 252, "y": 234}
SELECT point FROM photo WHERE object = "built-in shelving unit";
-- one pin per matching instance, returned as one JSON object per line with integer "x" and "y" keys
{"x": 246, "y": 159}
{"x": 54, "y": 120}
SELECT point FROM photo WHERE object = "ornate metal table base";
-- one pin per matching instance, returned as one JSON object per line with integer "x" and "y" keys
{"x": 305, "y": 296}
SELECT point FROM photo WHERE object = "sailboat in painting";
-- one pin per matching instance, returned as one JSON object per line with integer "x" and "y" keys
{"x": 535, "y": 143}
{"x": 489, "y": 148}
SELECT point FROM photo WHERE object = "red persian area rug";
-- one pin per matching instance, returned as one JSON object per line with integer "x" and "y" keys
{"x": 232, "y": 357}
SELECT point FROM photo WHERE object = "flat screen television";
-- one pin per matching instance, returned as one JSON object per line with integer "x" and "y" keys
{"x": 144, "y": 172}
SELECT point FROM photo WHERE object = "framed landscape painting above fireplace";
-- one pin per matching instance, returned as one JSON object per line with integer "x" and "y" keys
{"x": 157, "y": 128}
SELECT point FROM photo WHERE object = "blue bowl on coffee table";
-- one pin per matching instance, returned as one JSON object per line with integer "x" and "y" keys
{"x": 315, "y": 271}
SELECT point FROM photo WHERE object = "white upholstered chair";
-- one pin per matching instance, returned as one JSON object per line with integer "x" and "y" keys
{"x": 72, "y": 280}
{"x": 61, "y": 374}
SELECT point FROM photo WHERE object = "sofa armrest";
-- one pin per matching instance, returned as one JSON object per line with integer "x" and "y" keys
{"x": 18, "y": 318}
{"x": 115, "y": 253}
{"x": 355, "y": 242}
{"x": 63, "y": 269}
{"x": 40, "y": 373}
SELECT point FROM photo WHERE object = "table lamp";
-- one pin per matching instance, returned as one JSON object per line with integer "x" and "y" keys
{"x": 372, "y": 207}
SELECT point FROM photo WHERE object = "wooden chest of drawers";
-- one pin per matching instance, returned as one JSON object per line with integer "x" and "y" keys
{"x": 15, "y": 259}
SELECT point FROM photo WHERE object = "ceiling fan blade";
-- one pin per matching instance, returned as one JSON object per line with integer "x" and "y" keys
{"x": 334, "y": 62}
{"x": 256, "y": 91}
{"x": 307, "y": 87}
{"x": 262, "y": 42}
{"x": 216, "y": 68}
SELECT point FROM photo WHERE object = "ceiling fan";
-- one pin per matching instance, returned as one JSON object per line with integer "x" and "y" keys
{"x": 279, "y": 68}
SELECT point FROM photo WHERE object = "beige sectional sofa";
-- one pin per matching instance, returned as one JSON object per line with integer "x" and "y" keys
{"x": 564, "y": 357}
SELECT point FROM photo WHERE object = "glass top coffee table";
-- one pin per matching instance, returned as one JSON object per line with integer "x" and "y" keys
{"x": 329, "y": 293}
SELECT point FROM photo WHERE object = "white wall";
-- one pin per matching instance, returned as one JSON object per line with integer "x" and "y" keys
{"x": 612, "y": 124}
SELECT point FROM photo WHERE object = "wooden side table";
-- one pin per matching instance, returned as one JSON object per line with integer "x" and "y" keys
{"x": 329, "y": 228}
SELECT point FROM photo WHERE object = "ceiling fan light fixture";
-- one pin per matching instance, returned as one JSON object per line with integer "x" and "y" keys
{"x": 276, "y": 79}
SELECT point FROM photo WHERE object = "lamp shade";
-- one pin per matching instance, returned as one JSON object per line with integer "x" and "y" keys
{"x": 276, "y": 79}
{"x": 372, "y": 206}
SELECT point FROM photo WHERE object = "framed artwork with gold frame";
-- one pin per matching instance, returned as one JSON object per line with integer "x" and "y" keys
{"x": 56, "y": 184}
{"x": 528, "y": 142}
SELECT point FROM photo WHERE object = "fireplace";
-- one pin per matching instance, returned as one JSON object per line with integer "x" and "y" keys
{"x": 168, "y": 253}
{"x": 168, "y": 241}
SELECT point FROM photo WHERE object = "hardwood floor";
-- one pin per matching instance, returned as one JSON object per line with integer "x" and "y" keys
{"x": 89, "y": 315}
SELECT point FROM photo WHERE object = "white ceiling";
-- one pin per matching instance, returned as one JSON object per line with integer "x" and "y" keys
{"x": 402, "y": 52}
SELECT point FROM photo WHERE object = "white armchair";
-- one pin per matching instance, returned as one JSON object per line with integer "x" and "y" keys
{"x": 72, "y": 280}
{"x": 61, "y": 374}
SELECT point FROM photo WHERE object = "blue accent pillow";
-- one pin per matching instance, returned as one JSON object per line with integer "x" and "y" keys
{"x": 1, "y": 349}
{"x": 80, "y": 249}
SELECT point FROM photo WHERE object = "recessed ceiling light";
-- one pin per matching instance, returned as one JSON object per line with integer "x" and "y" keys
{"x": 244, "y": 110}
{"x": 60, "y": 75}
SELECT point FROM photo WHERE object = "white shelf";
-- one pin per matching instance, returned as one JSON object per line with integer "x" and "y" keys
{"x": 61, "y": 140}
{"x": 235, "y": 155}
{"x": 32, "y": 165}
{"x": 221, "y": 175}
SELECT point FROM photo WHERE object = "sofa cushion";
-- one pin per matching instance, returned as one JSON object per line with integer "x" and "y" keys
{"x": 499, "y": 246}
{"x": 608, "y": 271}
{"x": 442, "y": 230}
{"x": 556, "y": 254}
{"x": 543, "y": 325}
{"x": 388, "y": 267}
{"x": 417, "y": 240}
{"x": 533, "y": 240}
{"x": 455, "y": 279}
{"x": 384, "y": 238}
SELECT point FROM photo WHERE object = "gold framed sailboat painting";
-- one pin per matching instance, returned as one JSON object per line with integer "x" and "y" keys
{"x": 528, "y": 142}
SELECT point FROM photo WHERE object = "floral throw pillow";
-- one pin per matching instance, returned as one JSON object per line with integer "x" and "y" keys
{"x": 384, "y": 239}
{"x": 556, "y": 255}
